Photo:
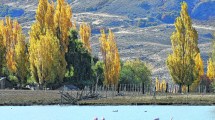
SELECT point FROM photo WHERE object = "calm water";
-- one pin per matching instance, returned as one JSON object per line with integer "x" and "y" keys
{"x": 124, "y": 112}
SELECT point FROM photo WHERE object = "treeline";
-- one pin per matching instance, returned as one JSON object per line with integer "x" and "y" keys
{"x": 185, "y": 63}
{"x": 57, "y": 53}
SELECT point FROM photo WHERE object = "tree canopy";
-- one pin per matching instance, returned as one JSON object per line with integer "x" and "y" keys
{"x": 111, "y": 58}
{"x": 135, "y": 72}
{"x": 181, "y": 62}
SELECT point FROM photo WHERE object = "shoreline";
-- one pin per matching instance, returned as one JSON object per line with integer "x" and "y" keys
{"x": 139, "y": 104}
{"x": 50, "y": 98}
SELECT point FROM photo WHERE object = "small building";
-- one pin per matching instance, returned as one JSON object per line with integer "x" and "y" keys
{"x": 68, "y": 88}
{"x": 2, "y": 82}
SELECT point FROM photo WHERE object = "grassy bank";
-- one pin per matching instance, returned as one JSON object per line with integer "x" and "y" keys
{"x": 22, "y": 97}
{"x": 19, "y": 97}
{"x": 158, "y": 100}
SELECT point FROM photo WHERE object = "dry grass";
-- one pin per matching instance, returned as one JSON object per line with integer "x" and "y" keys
{"x": 191, "y": 99}
{"x": 21, "y": 97}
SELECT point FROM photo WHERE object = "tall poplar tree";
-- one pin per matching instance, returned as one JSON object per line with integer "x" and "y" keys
{"x": 210, "y": 69}
{"x": 13, "y": 49}
{"x": 85, "y": 33}
{"x": 211, "y": 64}
{"x": 184, "y": 39}
{"x": 2, "y": 48}
{"x": 49, "y": 41}
{"x": 62, "y": 22}
{"x": 111, "y": 58}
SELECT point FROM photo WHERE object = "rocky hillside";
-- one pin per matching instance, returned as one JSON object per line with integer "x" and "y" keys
{"x": 142, "y": 27}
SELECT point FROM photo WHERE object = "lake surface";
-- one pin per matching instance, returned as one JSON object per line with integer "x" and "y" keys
{"x": 108, "y": 112}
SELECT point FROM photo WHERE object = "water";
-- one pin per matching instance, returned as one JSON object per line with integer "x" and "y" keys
{"x": 108, "y": 112}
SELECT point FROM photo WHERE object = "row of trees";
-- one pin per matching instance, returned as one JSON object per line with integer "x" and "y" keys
{"x": 185, "y": 63}
{"x": 13, "y": 50}
{"x": 57, "y": 53}
{"x": 53, "y": 54}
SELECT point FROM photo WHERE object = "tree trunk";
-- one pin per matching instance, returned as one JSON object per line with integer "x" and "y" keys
{"x": 143, "y": 88}
{"x": 40, "y": 86}
{"x": 180, "y": 88}
{"x": 97, "y": 80}
{"x": 188, "y": 88}
{"x": 118, "y": 86}
{"x": 167, "y": 87}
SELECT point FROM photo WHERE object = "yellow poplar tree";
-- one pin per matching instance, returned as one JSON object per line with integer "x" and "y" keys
{"x": 14, "y": 47}
{"x": 157, "y": 84}
{"x": 210, "y": 70}
{"x": 85, "y": 33}
{"x": 110, "y": 57}
{"x": 211, "y": 62}
{"x": 115, "y": 57}
{"x": 21, "y": 58}
{"x": 48, "y": 61}
{"x": 49, "y": 31}
{"x": 163, "y": 86}
{"x": 9, "y": 38}
{"x": 200, "y": 69}
{"x": 38, "y": 29}
{"x": 2, "y": 48}
{"x": 181, "y": 63}
{"x": 62, "y": 22}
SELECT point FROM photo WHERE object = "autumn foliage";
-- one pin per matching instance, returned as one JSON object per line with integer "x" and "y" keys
{"x": 85, "y": 34}
{"x": 110, "y": 57}
{"x": 54, "y": 52}
{"x": 160, "y": 85}
{"x": 13, "y": 48}
{"x": 49, "y": 41}
{"x": 181, "y": 63}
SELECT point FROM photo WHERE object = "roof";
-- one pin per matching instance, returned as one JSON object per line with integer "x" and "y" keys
{"x": 2, "y": 78}
{"x": 68, "y": 87}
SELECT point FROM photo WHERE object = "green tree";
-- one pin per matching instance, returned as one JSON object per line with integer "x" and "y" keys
{"x": 184, "y": 39}
{"x": 135, "y": 72}
{"x": 79, "y": 61}
{"x": 98, "y": 74}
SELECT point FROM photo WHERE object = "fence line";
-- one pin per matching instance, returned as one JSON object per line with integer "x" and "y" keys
{"x": 131, "y": 90}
